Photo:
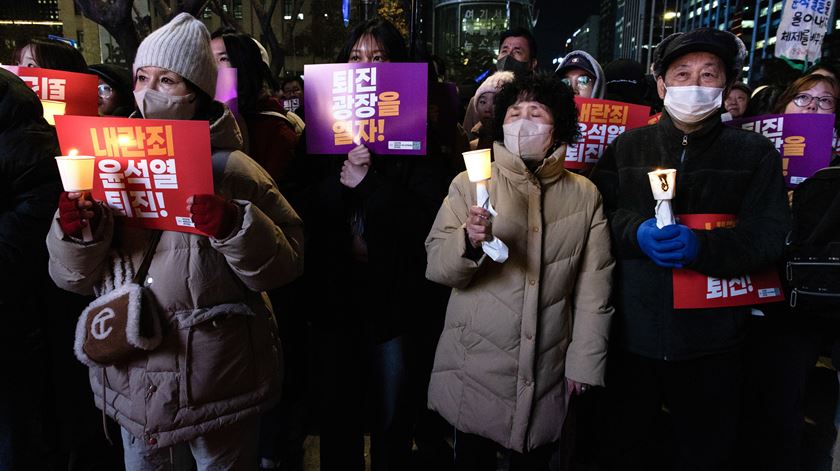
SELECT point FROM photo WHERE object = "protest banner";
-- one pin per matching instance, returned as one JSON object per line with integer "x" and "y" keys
{"x": 600, "y": 122}
{"x": 145, "y": 169}
{"x": 60, "y": 92}
{"x": 380, "y": 105}
{"x": 802, "y": 29}
{"x": 693, "y": 290}
{"x": 804, "y": 140}
{"x": 654, "y": 119}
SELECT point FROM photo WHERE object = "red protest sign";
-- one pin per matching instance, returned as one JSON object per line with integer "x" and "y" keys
{"x": 145, "y": 168}
{"x": 694, "y": 290}
{"x": 654, "y": 119}
{"x": 600, "y": 122}
{"x": 60, "y": 92}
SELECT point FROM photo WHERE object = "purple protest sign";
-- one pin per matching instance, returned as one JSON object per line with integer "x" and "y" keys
{"x": 804, "y": 140}
{"x": 381, "y": 105}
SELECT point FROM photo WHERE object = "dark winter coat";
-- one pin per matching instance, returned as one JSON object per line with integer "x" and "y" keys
{"x": 720, "y": 169}
{"x": 398, "y": 200}
{"x": 29, "y": 189}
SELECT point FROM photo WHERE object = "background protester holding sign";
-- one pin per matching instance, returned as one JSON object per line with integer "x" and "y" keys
{"x": 216, "y": 368}
{"x": 688, "y": 359}
{"x": 366, "y": 218}
{"x": 50, "y": 54}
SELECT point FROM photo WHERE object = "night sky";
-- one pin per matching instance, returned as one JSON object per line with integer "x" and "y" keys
{"x": 557, "y": 21}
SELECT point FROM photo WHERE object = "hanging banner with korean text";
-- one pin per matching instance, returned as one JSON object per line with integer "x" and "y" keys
{"x": 600, "y": 122}
{"x": 382, "y": 105}
{"x": 804, "y": 140}
{"x": 802, "y": 29}
{"x": 694, "y": 290}
{"x": 145, "y": 168}
{"x": 60, "y": 92}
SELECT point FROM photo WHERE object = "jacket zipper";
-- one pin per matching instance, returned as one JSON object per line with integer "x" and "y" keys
{"x": 790, "y": 265}
{"x": 795, "y": 292}
{"x": 679, "y": 174}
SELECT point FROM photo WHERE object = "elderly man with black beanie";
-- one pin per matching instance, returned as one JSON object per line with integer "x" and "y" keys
{"x": 687, "y": 360}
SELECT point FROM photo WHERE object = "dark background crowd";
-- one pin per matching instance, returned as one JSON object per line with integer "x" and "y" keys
{"x": 359, "y": 328}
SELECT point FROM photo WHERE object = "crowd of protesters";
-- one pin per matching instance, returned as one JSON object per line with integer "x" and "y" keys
{"x": 398, "y": 321}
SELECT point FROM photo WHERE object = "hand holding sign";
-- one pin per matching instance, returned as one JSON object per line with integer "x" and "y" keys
{"x": 213, "y": 215}
{"x": 356, "y": 166}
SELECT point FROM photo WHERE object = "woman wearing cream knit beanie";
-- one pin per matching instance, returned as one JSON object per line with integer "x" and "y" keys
{"x": 216, "y": 368}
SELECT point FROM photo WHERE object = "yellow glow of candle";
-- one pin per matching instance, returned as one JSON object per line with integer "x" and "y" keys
{"x": 76, "y": 171}
{"x": 52, "y": 109}
{"x": 478, "y": 164}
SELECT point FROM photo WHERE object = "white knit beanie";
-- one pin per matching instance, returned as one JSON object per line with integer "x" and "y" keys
{"x": 182, "y": 46}
{"x": 494, "y": 83}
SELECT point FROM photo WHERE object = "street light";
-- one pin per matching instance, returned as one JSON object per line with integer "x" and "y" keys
{"x": 669, "y": 15}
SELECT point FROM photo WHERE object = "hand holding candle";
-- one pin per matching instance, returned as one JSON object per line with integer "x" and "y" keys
{"x": 479, "y": 171}
{"x": 75, "y": 213}
{"x": 663, "y": 186}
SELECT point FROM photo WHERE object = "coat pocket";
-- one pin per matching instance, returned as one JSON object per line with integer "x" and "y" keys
{"x": 219, "y": 358}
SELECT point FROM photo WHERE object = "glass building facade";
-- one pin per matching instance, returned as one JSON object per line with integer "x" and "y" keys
{"x": 466, "y": 32}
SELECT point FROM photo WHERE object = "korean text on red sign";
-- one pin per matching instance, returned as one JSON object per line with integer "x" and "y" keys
{"x": 600, "y": 122}
{"x": 60, "y": 92}
{"x": 382, "y": 106}
{"x": 145, "y": 169}
{"x": 693, "y": 290}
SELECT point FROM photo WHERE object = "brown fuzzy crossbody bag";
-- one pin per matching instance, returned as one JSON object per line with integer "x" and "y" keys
{"x": 121, "y": 324}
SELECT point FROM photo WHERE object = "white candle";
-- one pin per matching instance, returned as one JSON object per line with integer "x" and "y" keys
{"x": 663, "y": 184}
{"x": 478, "y": 165}
{"x": 76, "y": 171}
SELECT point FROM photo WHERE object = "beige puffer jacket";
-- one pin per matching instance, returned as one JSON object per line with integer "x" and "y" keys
{"x": 218, "y": 362}
{"x": 515, "y": 330}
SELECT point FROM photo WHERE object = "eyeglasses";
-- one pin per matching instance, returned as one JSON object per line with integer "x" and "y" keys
{"x": 582, "y": 81}
{"x": 105, "y": 91}
{"x": 824, "y": 102}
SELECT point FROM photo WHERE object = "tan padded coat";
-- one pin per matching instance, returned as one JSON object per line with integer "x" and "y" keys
{"x": 218, "y": 362}
{"x": 515, "y": 330}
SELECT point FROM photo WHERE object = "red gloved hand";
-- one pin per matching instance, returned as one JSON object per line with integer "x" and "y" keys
{"x": 74, "y": 214}
{"x": 212, "y": 214}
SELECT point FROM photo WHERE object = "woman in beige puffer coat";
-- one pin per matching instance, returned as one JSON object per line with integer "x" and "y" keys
{"x": 217, "y": 366}
{"x": 522, "y": 335}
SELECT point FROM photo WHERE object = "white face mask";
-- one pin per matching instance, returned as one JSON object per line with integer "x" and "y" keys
{"x": 693, "y": 103}
{"x": 528, "y": 139}
{"x": 158, "y": 105}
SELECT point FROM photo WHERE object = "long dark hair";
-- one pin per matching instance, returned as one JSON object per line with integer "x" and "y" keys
{"x": 385, "y": 33}
{"x": 54, "y": 55}
{"x": 253, "y": 76}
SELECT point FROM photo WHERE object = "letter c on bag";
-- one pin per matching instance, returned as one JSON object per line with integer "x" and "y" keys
{"x": 98, "y": 327}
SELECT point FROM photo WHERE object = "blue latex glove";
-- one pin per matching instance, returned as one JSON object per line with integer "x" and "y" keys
{"x": 662, "y": 245}
{"x": 689, "y": 249}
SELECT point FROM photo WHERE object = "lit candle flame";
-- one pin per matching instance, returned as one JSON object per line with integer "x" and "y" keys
{"x": 73, "y": 152}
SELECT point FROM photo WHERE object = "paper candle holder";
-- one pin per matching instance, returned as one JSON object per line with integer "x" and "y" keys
{"x": 478, "y": 165}
{"x": 663, "y": 183}
{"x": 76, "y": 172}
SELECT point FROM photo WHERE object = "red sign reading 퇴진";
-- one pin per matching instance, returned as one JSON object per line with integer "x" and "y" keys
{"x": 60, "y": 92}
{"x": 693, "y": 290}
{"x": 145, "y": 168}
